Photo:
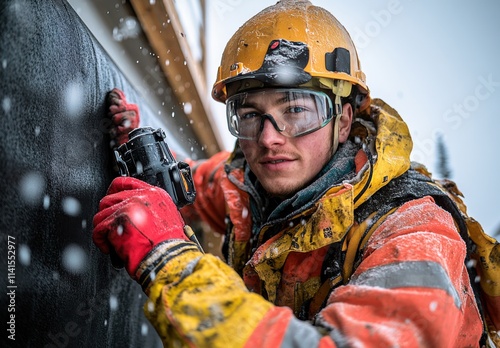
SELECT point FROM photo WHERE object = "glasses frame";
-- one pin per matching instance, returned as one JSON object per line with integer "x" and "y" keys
{"x": 230, "y": 115}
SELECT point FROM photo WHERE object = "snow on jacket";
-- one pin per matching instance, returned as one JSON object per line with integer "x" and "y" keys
{"x": 310, "y": 271}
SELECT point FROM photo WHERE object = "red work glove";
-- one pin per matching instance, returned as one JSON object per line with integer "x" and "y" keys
{"x": 124, "y": 116}
{"x": 133, "y": 218}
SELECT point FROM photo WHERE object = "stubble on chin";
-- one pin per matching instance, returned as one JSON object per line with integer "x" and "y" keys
{"x": 281, "y": 190}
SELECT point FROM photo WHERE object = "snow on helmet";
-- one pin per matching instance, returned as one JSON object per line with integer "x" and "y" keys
{"x": 290, "y": 44}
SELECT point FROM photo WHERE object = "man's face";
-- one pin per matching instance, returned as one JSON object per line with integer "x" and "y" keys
{"x": 282, "y": 164}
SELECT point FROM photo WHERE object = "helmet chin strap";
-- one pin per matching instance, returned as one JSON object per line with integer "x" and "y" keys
{"x": 340, "y": 88}
{"x": 338, "y": 115}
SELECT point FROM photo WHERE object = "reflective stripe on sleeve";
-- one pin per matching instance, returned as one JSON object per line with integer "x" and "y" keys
{"x": 426, "y": 274}
{"x": 300, "y": 334}
{"x": 304, "y": 334}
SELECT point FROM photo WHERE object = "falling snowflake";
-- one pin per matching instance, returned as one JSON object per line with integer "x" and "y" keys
{"x": 113, "y": 303}
{"x": 31, "y": 187}
{"x": 128, "y": 28}
{"x": 74, "y": 259}
{"x": 71, "y": 206}
{"x": 24, "y": 255}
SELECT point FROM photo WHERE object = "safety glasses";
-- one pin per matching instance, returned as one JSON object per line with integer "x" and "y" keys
{"x": 292, "y": 112}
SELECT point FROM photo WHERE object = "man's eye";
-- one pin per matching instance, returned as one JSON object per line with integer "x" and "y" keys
{"x": 248, "y": 115}
{"x": 296, "y": 109}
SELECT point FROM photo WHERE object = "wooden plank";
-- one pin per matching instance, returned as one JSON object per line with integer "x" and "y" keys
{"x": 185, "y": 75}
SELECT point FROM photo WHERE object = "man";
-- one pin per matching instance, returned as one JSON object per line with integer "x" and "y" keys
{"x": 331, "y": 239}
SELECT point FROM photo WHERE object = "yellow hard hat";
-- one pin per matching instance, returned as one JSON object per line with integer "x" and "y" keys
{"x": 292, "y": 43}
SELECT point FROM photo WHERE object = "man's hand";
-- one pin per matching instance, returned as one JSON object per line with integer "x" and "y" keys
{"x": 133, "y": 218}
{"x": 124, "y": 116}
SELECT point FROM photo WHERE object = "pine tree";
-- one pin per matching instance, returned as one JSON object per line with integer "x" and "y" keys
{"x": 443, "y": 167}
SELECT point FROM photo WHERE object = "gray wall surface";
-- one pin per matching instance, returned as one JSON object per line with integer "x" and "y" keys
{"x": 58, "y": 290}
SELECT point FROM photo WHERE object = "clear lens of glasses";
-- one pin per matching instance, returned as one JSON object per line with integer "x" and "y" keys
{"x": 293, "y": 112}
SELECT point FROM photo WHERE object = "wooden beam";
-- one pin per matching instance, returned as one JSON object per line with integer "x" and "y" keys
{"x": 163, "y": 29}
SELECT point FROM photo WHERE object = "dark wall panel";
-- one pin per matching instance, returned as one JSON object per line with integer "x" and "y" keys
{"x": 55, "y": 167}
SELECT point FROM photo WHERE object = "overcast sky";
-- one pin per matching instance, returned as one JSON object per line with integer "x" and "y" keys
{"x": 436, "y": 63}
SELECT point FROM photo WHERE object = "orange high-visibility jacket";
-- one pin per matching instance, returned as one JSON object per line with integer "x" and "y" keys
{"x": 319, "y": 275}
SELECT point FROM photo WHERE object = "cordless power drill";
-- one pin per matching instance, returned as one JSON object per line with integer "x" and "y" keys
{"x": 147, "y": 157}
